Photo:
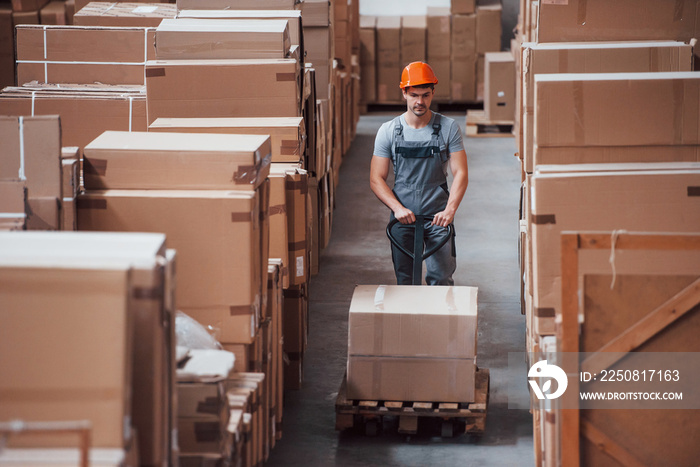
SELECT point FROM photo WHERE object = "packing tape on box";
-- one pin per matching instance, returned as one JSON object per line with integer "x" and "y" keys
{"x": 544, "y": 312}
{"x": 242, "y": 217}
{"x": 298, "y": 185}
{"x": 290, "y": 147}
{"x": 88, "y": 203}
{"x": 542, "y": 219}
{"x": 455, "y": 332}
{"x": 694, "y": 191}
{"x": 21, "y": 174}
{"x": 277, "y": 209}
{"x": 241, "y": 310}
{"x": 286, "y": 76}
{"x": 296, "y": 246}
{"x": 147, "y": 293}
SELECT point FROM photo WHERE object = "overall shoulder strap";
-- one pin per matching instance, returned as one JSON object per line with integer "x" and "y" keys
{"x": 436, "y": 123}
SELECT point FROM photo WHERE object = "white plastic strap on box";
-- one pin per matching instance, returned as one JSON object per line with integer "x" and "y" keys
{"x": 145, "y": 46}
{"x": 12, "y": 215}
{"x": 21, "y": 149}
{"x": 131, "y": 110}
{"x": 71, "y": 62}
{"x": 33, "y": 99}
{"x": 46, "y": 65}
{"x": 110, "y": 7}
{"x": 613, "y": 241}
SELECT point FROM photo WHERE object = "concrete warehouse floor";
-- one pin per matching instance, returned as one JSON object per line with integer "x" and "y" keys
{"x": 358, "y": 253}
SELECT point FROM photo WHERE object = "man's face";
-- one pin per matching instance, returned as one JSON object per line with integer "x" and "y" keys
{"x": 418, "y": 99}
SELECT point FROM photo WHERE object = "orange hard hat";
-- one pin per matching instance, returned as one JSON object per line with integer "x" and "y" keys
{"x": 417, "y": 73}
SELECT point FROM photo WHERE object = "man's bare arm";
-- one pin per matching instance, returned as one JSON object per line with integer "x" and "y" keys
{"x": 460, "y": 173}
{"x": 378, "y": 174}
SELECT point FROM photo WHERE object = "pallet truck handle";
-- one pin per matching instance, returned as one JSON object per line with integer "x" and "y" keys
{"x": 418, "y": 244}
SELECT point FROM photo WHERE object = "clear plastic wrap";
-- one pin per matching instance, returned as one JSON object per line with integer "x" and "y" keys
{"x": 193, "y": 335}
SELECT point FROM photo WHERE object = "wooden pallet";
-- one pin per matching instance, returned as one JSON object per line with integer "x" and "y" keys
{"x": 349, "y": 412}
{"x": 478, "y": 126}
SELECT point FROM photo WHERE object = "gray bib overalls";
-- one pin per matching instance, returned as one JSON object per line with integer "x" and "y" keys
{"x": 420, "y": 184}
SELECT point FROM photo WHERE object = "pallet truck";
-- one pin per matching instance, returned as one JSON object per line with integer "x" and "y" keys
{"x": 370, "y": 413}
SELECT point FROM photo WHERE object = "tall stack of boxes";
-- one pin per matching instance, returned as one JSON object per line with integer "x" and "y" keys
{"x": 607, "y": 133}
{"x": 96, "y": 313}
{"x": 230, "y": 151}
{"x": 454, "y": 40}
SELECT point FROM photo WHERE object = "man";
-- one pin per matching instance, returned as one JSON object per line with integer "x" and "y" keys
{"x": 420, "y": 144}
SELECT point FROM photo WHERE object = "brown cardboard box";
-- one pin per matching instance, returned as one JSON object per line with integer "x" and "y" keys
{"x": 13, "y": 197}
{"x": 264, "y": 88}
{"x": 619, "y": 109}
{"x": 590, "y": 57}
{"x": 31, "y": 152}
{"x": 176, "y": 161}
{"x": 320, "y": 50}
{"x": 43, "y": 213}
{"x": 219, "y": 274}
{"x": 279, "y": 234}
{"x": 412, "y": 321}
{"x": 626, "y": 20}
{"x": 25, "y": 17}
{"x": 439, "y": 50}
{"x": 388, "y": 58}
{"x": 411, "y": 379}
{"x": 200, "y": 39}
{"x": 288, "y": 134}
{"x": 463, "y": 57}
{"x": 85, "y": 113}
{"x": 294, "y": 319}
{"x": 236, "y": 4}
{"x": 296, "y": 189}
{"x": 202, "y": 400}
{"x": 462, "y": 7}
{"x": 28, "y": 5}
{"x": 53, "y": 12}
{"x": 7, "y": 47}
{"x": 368, "y": 58}
{"x": 124, "y": 14}
{"x": 77, "y": 310}
{"x": 413, "y": 39}
{"x": 409, "y": 343}
{"x": 606, "y": 197}
{"x": 499, "y": 86}
{"x": 488, "y": 28}
{"x": 316, "y": 13}
{"x": 70, "y": 174}
{"x": 82, "y": 55}
{"x": 293, "y": 18}
{"x": 152, "y": 313}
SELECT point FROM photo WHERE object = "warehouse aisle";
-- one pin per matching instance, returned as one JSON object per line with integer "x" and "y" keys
{"x": 358, "y": 253}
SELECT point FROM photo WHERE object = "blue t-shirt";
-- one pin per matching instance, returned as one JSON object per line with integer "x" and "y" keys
{"x": 450, "y": 136}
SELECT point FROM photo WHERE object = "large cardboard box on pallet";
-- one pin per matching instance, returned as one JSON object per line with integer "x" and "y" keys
{"x": 151, "y": 278}
{"x": 203, "y": 39}
{"x": 288, "y": 134}
{"x": 488, "y": 28}
{"x": 317, "y": 13}
{"x": 388, "y": 58}
{"x": 83, "y": 54}
{"x": 263, "y": 88}
{"x": 499, "y": 86}
{"x": 152, "y": 161}
{"x": 85, "y": 111}
{"x": 625, "y": 20}
{"x": 124, "y": 14}
{"x": 293, "y": 18}
{"x": 219, "y": 282}
{"x": 463, "y": 57}
{"x": 412, "y": 343}
{"x": 439, "y": 50}
{"x": 605, "y": 197}
{"x": 589, "y": 57}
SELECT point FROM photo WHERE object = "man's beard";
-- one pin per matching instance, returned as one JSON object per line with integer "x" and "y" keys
{"x": 419, "y": 110}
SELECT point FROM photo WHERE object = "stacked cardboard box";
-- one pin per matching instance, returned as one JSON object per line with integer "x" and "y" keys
{"x": 463, "y": 57}
{"x": 176, "y": 183}
{"x": 391, "y": 329}
{"x": 368, "y": 58}
{"x": 499, "y": 87}
{"x": 124, "y": 14}
{"x": 389, "y": 59}
{"x": 413, "y": 39}
{"x": 31, "y": 168}
{"x": 488, "y": 39}
{"x": 7, "y": 47}
{"x": 343, "y": 31}
{"x": 67, "y": 294}
{"x": 439, "y": 50}
{"x": 319, "y": 40}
